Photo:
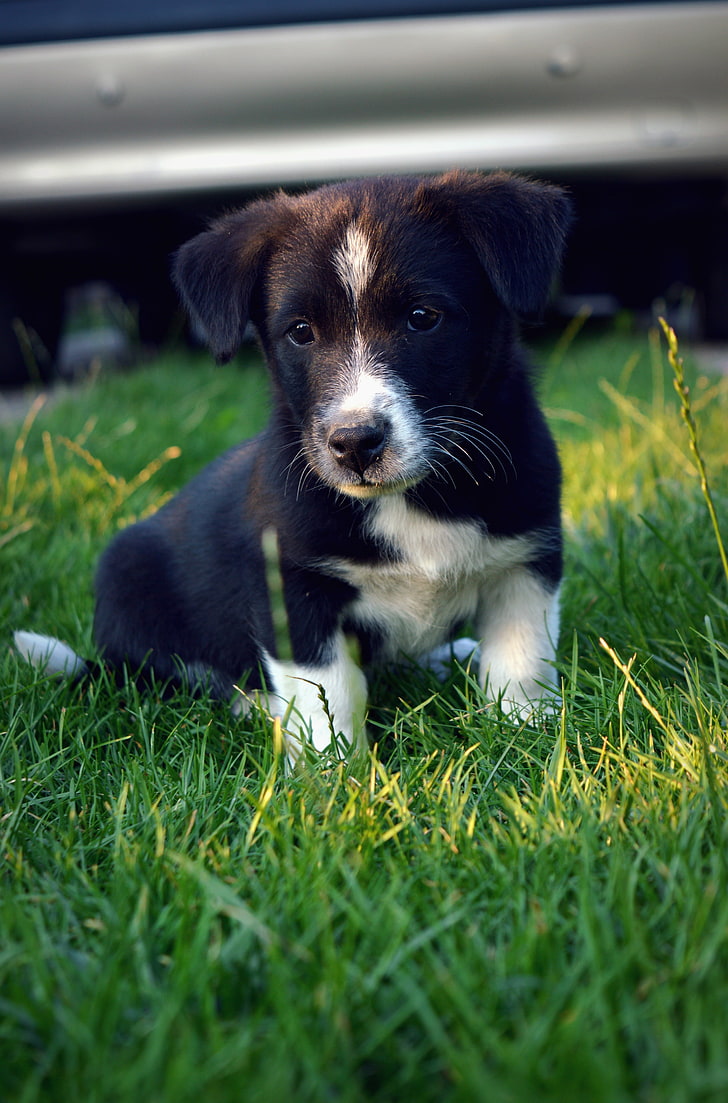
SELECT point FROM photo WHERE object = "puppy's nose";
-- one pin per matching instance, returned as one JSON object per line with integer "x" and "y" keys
{"x": 357, "y": 446}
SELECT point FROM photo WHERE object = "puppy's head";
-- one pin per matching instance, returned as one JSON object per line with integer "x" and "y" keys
{"x": 382, "y": 306}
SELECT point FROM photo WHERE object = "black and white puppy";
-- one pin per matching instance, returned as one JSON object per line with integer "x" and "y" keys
{"x": 407, "y": 470}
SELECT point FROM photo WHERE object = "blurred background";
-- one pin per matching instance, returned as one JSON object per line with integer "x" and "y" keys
{"x": 124, "y": 128}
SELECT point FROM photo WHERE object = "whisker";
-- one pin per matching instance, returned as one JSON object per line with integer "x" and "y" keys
{"x": 478, "y": 431}
{"x": 440, "y": 471}
{"x": 461, "y": 448}
{"x": 477, "y": 446}
{"x": 288, "y": 470}
{"x": 463, "y": 434}
{"x": 483, "y": 450}
{"x": 306, "y": 471}
{"x": 468, "y": 421}
{"x": 306, "y": 474}
{"x": 456, "y": 459}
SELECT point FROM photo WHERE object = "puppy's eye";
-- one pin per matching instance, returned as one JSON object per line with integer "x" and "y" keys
{"x": 423, "y": 319}
{"x": 301, "y": 333}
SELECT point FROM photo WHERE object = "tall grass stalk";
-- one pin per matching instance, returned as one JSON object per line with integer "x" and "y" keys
{"x": 683, "y": 392}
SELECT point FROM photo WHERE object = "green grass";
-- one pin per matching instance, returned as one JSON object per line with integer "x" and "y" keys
{"x": 479, "y": 910}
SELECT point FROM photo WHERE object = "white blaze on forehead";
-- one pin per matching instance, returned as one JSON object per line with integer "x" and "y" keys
{"x": 353, "y": 261}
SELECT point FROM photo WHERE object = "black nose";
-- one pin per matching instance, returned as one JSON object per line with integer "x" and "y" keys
{"x": 357, "y": 446}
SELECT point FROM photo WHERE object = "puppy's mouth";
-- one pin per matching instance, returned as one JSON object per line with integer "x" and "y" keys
{"x": 366, "y": 489}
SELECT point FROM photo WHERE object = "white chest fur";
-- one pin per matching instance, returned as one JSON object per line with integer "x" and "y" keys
{"x": 431, "y": 576}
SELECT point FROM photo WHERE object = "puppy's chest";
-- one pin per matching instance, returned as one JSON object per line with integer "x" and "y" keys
{"x": 429, "y": 577}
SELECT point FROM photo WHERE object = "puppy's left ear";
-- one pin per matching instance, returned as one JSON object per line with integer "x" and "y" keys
{"x": 517, "y": 228}
{"x": 216, "y": 272}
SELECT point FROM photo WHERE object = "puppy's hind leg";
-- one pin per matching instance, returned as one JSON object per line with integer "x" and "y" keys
{"x": 140, "y": 620}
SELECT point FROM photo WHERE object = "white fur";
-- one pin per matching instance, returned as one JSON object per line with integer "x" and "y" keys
{"x": 442, "y": 549}
{"x": 368, "y": 395}
{"x": 48, "y": 654}
{"x": 442, "y": 572}
{"x": 363, "y": 387}
{"x": 519, "y": 628}
{"x": 298, "y": 691}
{"x": 354, "y": 262}
{"x": 431, "y": 578}
{"x": 368, "y": 392}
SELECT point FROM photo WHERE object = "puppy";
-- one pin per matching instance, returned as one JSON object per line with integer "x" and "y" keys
{"x": 407, "y": 473}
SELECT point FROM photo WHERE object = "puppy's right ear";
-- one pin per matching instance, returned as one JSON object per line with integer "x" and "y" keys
{"x": 215, "y": 273}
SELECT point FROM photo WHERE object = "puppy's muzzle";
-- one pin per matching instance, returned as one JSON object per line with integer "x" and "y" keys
{"x": 357, "y": 447}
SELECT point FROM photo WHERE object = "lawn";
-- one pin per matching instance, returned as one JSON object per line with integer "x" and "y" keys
{"x": 478, "y": 910}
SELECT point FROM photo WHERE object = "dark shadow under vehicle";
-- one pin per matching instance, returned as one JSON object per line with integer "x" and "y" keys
{"x": 123, "y": 129}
